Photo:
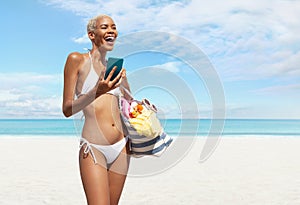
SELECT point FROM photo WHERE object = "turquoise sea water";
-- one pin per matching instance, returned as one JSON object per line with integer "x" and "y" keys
{"x": 175, "y": 127}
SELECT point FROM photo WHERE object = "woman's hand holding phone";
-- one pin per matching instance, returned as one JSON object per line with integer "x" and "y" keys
{"x": 111, "y": 78}
{"x": 106, "y": 84}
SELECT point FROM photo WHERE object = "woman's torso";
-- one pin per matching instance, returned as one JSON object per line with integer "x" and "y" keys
{"x": 102, "y": 117}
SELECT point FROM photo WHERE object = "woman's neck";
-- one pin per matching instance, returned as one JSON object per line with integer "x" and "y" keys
{"x": 98, "y": 55}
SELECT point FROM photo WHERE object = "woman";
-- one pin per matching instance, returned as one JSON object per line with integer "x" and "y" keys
{"x": 103, "y": 155}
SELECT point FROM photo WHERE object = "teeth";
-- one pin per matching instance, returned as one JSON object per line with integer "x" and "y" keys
{"x": 109, "y": 38}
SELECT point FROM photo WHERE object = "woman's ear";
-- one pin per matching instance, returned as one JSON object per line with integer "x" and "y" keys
{"x": 91, "y": 35}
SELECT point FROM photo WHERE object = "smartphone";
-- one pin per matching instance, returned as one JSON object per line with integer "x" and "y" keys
{"x": 111, "y": 63}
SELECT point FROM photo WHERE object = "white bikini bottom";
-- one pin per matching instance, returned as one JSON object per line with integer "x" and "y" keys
{"x": 110, "y": 152}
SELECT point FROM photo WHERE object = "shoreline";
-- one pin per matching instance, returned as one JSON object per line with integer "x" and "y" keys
{"x": 242, "y": 170}
{"x": 50, "y": 136}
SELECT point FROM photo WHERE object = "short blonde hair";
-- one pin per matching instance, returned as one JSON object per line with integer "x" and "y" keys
{"x": 92, "y": 23}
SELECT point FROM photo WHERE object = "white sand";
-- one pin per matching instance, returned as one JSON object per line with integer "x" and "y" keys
{"x": 243, "y": 171}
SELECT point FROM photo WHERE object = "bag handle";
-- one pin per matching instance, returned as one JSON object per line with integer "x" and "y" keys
{"x": 144, "y": 101}
{"x": 127, "y": 91}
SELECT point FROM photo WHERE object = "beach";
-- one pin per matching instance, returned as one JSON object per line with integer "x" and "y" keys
{"x": 242, "y": 170}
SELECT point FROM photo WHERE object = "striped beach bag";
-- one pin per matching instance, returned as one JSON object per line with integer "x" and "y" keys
{"x": 146, "y": 134}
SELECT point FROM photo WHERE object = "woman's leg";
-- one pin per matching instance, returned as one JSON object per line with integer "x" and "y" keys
{"x": 94, "y": 178}
{"x": 117, "y": 175}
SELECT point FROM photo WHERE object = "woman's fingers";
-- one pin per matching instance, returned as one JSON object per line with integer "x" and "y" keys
{"x": 118, "y": 80}
{"x": 105, "y": 84}
{"x": 111, "y": 73}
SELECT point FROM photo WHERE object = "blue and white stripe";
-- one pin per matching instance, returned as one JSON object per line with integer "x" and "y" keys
{"x": 145, "y": 146}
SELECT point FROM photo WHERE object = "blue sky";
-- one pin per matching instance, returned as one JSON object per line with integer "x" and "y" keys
{"x": 253, "y": 46}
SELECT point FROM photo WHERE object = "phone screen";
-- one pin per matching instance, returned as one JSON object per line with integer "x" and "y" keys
{"x": 111, "y": 63}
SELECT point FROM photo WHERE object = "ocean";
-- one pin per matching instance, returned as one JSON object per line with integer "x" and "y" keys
{"x": 174, "y": 127}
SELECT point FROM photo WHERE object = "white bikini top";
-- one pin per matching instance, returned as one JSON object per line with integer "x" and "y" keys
{"x": 92, "y": 79}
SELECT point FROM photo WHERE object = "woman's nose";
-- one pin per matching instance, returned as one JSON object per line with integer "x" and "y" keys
{"x": 110, "y": 30}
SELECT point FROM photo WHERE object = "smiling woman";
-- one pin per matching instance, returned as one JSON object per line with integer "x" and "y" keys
{"x": 103, "y": 155}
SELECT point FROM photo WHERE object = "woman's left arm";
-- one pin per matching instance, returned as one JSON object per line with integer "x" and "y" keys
{"x": 125, "y": 84}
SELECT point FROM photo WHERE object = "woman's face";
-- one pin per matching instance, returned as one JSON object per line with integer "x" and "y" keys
{"x": 105, "y": 33}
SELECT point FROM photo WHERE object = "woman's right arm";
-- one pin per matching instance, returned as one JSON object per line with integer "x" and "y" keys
{"x": 70, "y": 105}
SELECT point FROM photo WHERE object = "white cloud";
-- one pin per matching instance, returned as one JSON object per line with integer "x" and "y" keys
{"x": 26, "y": 79}
{"x": 81, "y": 8}
{"x": 280, "y": 90}
{"x": 42, "y": 107}
{"x": 82, "y": 40}
{"x": 239, "y": 36}
{"x": 173, "y": 67}
{"x": 266, "y": 111}
{"x": 245, "y": 40}
{"x": 30, "y": 95}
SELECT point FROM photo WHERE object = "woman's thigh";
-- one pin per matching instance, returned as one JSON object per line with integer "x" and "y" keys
{"x": 117, "y": 175}
{"x": 94, "y": 179}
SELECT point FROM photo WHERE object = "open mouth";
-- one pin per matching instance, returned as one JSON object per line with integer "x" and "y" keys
{"x": 109, "y": 39}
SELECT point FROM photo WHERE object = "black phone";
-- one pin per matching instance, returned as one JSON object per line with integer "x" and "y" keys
{"x": 111, "y": 63}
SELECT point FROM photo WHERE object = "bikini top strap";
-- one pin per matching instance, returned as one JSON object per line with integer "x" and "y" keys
{"x": 90, "y": 55}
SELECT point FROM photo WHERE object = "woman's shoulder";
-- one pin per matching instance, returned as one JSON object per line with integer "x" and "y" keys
{"x": 75, "y": 61}
{"x": 76, "y": 56}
